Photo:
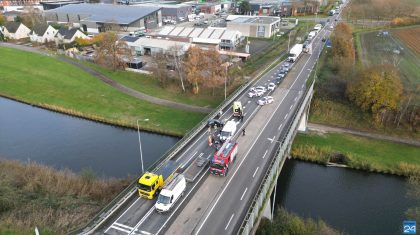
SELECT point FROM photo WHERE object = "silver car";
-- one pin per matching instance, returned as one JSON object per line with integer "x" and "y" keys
{"x": 265, "y": 100}
{"x": 271, "y": 86}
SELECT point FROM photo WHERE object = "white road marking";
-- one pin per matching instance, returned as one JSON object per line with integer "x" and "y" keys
{"x": 120, "y": 229}
{"x": 255, "y": 172}
{"x": 145, "y": 232}
{"x": 243, "y": 194}
{"x": 227, "y": 225}
{"x": 123, "y": 225}
{"x": 280, "y": 126}
{"x": 265, "y": 154}
{"x": 296, "y": 98}
{"x": 291, "y": 106}
{"x": 142, "y": 220}
{"x": 124, "y": 212}
{"x": 286, "y": 116}
{"x": 272, "y": 139}
{"x": 245, "y": 114}
{"x": 244, "y": 107}
{"x": 249, "y": 101}
{"x": 173, "y": 212}
{"x": 246, "y": 155}
{"x": 190, "y": 159}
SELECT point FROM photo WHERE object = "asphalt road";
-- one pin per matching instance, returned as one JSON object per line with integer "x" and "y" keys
{"x": 215, "y": 204}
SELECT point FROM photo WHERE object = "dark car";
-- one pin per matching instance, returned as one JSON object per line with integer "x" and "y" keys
{"x": 214, "y": 123}
{"x": 277, "y": 81}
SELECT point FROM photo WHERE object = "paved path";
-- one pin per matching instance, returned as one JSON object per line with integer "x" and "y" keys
{"x": 118, "y": 86}
{"x": 326, "y": 128}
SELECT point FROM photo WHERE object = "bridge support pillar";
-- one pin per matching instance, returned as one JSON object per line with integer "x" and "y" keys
{"x": 303, "y": 121}
{"x": 267, "y": 210}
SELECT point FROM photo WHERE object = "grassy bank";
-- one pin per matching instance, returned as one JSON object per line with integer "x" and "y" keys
{"x": 285, "y": 223}
{"x": 55, "y": 201}
{"x": 49, "y": 83}
{"x": 150, "y": 85}
{"x": 360, "y": 153}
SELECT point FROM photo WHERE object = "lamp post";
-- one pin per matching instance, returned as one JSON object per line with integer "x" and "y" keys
{"x": 141, "y": 152}
{"x": 226, "y": 79}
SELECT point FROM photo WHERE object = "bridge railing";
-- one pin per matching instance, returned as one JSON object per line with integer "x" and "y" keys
{"x": 130, "y": 191}
{"x": 269, "y": 179}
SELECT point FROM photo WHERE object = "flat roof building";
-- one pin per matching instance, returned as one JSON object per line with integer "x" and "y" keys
{"x": 254, "y": 26}
{"x": 95, "y": 18}
{"x": 224, "y": 38}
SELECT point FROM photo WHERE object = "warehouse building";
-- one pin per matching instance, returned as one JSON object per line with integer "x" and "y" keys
{"x": 177, "y": 12}
{"x": 95, "y": 18}
{"x": 254, "y": 26}
{"x": 153, "y": 46}
{"x": 220, "y": 37}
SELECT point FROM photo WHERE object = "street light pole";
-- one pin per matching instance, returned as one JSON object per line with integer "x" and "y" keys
{"x": 225, "y": 80}
{"x": 141, "y": 152}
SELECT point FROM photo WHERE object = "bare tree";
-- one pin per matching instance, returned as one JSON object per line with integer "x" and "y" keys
{"x": 112, "y": 53}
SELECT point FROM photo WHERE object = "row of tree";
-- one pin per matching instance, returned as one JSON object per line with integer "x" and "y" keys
{"x": 375, "y": 89}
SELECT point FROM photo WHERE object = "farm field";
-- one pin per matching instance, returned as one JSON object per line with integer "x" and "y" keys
{"x": 398, "y": 47}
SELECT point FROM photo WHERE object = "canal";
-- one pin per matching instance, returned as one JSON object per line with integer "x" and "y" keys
{"x": 354, "y": 202}
{"x": 351, "y": 201}
{"x": 33, "y": 134}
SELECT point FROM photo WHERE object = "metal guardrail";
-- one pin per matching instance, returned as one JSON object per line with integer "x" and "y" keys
{"x": 272, "y": 174}
{"x": 130, "y": 191}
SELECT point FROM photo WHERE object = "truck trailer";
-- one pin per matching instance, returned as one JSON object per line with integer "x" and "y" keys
{"x": 151, "y": 183}
{"x": 295, "y": 52}
{"x": 223, "y": 158}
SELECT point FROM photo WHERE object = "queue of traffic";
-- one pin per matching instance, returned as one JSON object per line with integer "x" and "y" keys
{"x": 169, "y": 184}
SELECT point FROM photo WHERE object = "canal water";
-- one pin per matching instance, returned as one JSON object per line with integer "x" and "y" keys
{"x": 28, "y": 133}
{"x": 351, "y": 201}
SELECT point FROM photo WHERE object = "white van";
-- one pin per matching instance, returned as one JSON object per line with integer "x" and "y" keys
{"x": 229, "y": 130}
{"x": 311, "y": 35}
{"x": 171, "y": 192}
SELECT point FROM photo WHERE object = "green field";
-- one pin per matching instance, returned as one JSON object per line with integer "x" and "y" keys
{"x": 150, "y": 85}
{"x": 361, "y": 153}
{"x": 376, "y": 49}
{"x": 53, "y": 84}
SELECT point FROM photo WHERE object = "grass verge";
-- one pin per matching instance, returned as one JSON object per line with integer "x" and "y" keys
{"x": 54, "y": 201}
{"x": 55, "y": 85}
{"x": 360, "y": 153}
{"x": 285, "y": 223}
{"x": 150, "y": 86}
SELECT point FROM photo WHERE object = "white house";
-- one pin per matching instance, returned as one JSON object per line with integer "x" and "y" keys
{"x": 15, "y": 30}
{"x": 43, "y": 33}
{"x": 69, "y": 35}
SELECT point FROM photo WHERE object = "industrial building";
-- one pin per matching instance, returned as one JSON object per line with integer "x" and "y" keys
{"x": 152, "y": 46}
{"x": 172, "y": 11}
{"x": 254, "y": 26}
{"x": 95, "y": 18}
{"x": 220, "y": 37}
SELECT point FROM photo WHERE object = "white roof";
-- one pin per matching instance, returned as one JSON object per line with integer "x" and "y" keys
{"x": 166, "y": 30}
{"x": 186, "y": 31}
{"x": 160, "y": 43}
{"x": 212, "y": 35}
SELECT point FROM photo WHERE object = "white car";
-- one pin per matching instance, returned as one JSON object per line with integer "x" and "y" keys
{"x": 261, "y": 88}
{"x": 265, "y": 100}
{"x": 271, "y": 86}
{"x": 255, "y": 92}
{"x": 331, "y": 26}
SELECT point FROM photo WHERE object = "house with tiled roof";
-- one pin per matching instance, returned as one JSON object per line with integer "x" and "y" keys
{"x": 15, "y": 30}
{"x": 65, "y": 35}
{"x": 43, "y": 33}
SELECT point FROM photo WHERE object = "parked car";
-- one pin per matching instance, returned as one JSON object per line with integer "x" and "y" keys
{"x": 181, "y": 18}
{"x": 285, "y": 69}
{"x": 281, "y": 74}
{"x": 265, "y": 100}
{"x": 214, "y": 123}
{"x": 277, "y": 81}
{"x": 271, "y": 86}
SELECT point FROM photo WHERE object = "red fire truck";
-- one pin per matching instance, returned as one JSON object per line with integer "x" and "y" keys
{"x": 223, "y": 158}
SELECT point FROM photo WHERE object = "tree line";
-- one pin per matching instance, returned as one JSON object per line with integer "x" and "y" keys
{"x": 377, "y": 89}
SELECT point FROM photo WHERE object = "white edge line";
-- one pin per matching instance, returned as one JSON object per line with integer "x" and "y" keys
{"x": 227, "y": 225}
{"x": 255, "y": 172}
{"x": 246, "y": 155}
{"x": 243, "y": 194}
{"x": 124, "y": 212}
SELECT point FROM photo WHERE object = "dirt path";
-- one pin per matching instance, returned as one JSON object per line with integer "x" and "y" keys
{"x": 116, "y": 85}
{"x": 326, "y": 128}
